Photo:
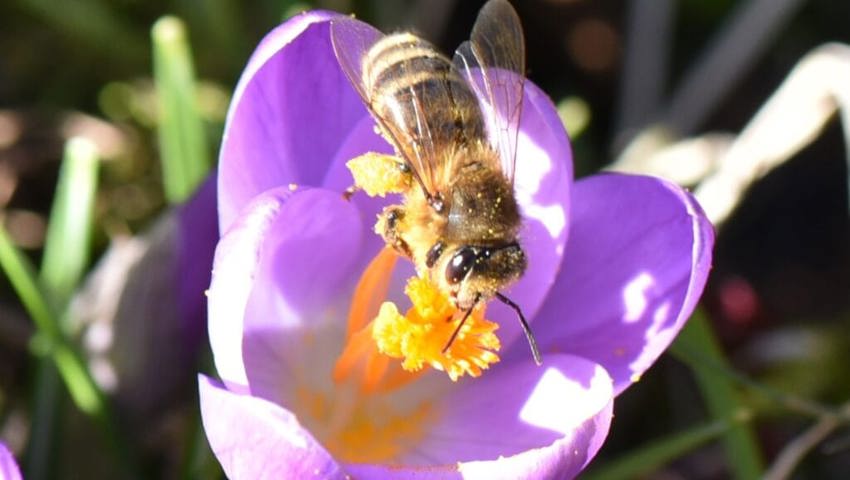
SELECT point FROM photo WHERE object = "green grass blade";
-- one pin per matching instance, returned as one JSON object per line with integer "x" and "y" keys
{"x": 658, "y": 453}
{"x": 44, "y": 411}
{"x": 67, "y": 247}
{"x": 700, "y": 350}
{"x": 84, "y": 392}
{"x": 66, "y": 255}
{"x": 21, "y": 274}
{"x": 81, "y": 385}
{"x": 183, "y": 147}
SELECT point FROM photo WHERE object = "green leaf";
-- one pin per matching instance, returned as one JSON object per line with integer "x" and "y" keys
{"x": 183, "y": 147}
{"x": 699, "y": 349}
{"x": 67, "y": 247}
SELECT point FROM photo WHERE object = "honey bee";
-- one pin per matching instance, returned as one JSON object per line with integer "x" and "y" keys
{"x": 454, "y": 126}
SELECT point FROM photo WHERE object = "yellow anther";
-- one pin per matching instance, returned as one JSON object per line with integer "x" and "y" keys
{"x": 419, "y": 337}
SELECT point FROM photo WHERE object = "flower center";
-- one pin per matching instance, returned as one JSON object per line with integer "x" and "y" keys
{"x": 361, "y": 362}
{"x": 420, "y": 337}
{"x": 424, "y": 336}
{"x": 360, "y": 429}
{"x": 358, "y": 421}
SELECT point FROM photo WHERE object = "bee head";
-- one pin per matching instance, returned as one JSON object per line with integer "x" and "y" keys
{"x": 476, "y": 273}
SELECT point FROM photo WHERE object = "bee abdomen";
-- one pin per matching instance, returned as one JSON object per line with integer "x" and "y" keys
{"x": 410, "y": 80}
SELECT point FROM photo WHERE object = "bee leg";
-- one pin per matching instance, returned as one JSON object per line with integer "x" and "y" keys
{"x": 390, "y": 226}
{"x": 349, "y": 192}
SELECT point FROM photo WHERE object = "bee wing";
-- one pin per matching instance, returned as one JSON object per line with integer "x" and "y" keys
{"x": 410, "y": 134}
{"x": 351, "y": 40}
{"x": 493, "y": 63}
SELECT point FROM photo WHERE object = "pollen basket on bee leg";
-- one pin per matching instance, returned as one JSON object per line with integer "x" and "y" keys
{"x": 379, "y": 174}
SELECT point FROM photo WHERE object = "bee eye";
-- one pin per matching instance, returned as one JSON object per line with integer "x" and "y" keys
{"x": 460, "y": 264}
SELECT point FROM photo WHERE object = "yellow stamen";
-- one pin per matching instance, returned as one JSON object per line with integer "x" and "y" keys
{"x": 420, "y": 336}
{"x": 378, "y": 174}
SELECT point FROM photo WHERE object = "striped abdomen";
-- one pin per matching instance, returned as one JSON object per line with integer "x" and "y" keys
{"x": 415, "y": 90}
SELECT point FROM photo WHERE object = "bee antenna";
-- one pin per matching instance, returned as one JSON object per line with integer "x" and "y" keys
{"x": 525, "y": 328}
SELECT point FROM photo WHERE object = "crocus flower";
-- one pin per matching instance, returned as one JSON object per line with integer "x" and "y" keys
{"x": 8, "y": 466}
{"x": 298, "y": 271}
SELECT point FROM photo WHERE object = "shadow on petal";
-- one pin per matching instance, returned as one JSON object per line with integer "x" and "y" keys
{"x": 281, "y": 283}
{"x": 295, "y": 316}
{"x": 253, "y": 438}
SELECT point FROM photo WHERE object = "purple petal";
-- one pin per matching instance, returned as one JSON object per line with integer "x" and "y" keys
{"x": 520, "y": 422}
{"x": 360, "y": 140}
{"x": 256, "y": 439}
{"x": 197, "y": 237}
{"x": 8, "y": 467}
{"x": 292, "y": 108}
{"x": 281, "y": 274}
{"x": 535, "y": 406}
{"x": 635, "y": 266}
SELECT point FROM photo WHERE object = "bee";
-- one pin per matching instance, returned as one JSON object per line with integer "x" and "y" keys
{"x": 454, "y": 125}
